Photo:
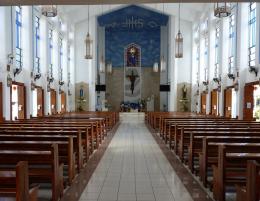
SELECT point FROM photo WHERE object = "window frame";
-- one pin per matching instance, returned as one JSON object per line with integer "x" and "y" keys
{"x": 252, "y": 18}
{"x": 217, "y": 48}
{"x": 61, "y": 56}
{"x": 36, "y": 19}
{"x": 232, "y": 39}
{"x": 18, "y": 37}
{"x": 50, "y": 50}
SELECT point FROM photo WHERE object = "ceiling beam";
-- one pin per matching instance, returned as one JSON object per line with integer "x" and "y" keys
{"x": 95, "y": 2}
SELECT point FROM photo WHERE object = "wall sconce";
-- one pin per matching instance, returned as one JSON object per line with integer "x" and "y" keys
{"x": 253, "y": 69}
{"x": 9, "y": 80}
{"x": 231, "y": 76}
{"x": 50, "y": 79}
{"x": 17, "y": 71}
{"x": 61, "y": 82}
{"x": 217, "y": 79}
{"x": 205, "y": 83}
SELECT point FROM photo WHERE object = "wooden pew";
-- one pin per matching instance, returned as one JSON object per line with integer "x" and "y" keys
{"x": 250, "y": 192}
{"x": 209, "y": 151}
{"x": 15, "y": 184}
{"x": 231, "y": 166}
{"x": 66, "y": 154}
{"x": 45, "y": 135}
{"x": 182, "y": 142}
{"x": 38, "y": 171}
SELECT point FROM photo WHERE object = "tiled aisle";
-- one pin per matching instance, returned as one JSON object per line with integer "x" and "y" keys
{"x": 134, "y": 168}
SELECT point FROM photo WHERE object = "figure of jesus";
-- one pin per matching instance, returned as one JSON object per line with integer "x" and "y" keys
{"x": 132, "y": 79}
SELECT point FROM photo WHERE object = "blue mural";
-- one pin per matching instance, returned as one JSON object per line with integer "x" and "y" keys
{"x": 148, "y": 41}
{"x": 133, "y": 18}
{"x": 132, "y": 24}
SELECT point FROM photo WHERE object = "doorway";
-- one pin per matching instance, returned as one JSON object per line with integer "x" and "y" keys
{"x": 38, "y": 102}
{"x": 251, "y": 110}
{"x": 203, "y": 103}
{"x": 53, "y": 102}
{"x": 256, "y": 110}
{"x": 230, "y": 102}
{"x": 18, "y": 101}
{"x": 63, "y": 102}
{"x": 214, "y": 102}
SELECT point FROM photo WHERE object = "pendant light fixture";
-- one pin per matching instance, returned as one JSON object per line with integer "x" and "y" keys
{"x": 102, "y": 65}
{"x": 222, "y": 9}
{"x": 155, "y": 67}
{"x": 179, "y": 40}
{"x": 49, "y": 10}
{"x": 89, "y": 43}
{"x": 162, "y": 61}
{"x": 163, "y": 64}
{"x": 109, "y": 67}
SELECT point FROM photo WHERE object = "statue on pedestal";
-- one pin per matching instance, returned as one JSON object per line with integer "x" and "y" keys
{"x": 184, "y": 99}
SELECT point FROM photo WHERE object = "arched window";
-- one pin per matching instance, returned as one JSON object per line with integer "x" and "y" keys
{"x": 252, "y": 34}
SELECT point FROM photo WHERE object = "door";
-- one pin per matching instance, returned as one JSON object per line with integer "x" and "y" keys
{"x": 214, "y": 102}
{"x": 40, "y": 102}
{"x": 248, "y": 102}
{"x": 63, "y": 102}
{"x": 21, "y": 101}
{"x": 203, "y": 103}
{"x": 1, "y": 102}
{"x": 53, "y": 102}
{"x": 228, "y": 103}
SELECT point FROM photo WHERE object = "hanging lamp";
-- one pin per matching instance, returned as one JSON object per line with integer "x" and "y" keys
{"x": 179, "y": 40}
{"x": 163, "y": 64}
{"x": 89, "y": 43}
{"x": 155, "y": 67}
{"x": 102, "y": 65}
{"x": 222, "y": 9}
{"x": 109, "y": 67}
{"x": 49, "y": 10}
{"x": 162, "y": 61}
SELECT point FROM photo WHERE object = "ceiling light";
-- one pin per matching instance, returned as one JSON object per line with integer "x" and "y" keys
{"x": 179, "y": 40}
{"x": 49, "y": 10}
{"x": 222, "y": 9}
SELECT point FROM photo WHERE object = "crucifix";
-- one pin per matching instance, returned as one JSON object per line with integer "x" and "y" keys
{"x": 132, "y": 79}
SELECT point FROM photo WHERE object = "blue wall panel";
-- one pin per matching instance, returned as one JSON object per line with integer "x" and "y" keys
{"x": 116, "y": 41}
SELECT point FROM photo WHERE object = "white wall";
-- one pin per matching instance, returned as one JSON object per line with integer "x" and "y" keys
{"x": 241, "y": 62}
{"x": 27, "y": 46}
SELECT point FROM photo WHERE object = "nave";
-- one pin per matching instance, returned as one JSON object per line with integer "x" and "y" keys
{"x": 134, "y": 168}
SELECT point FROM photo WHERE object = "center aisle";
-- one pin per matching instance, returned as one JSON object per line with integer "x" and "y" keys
{"x": 134, "y": 168}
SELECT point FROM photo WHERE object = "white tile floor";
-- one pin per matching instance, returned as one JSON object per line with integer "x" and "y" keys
{"x": 134, "y": 168}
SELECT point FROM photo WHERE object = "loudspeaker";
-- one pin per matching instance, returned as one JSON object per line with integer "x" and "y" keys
{"x": 165, "y": 87}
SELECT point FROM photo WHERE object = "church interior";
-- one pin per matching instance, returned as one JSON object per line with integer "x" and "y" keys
{"x": 148, "y": 100}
